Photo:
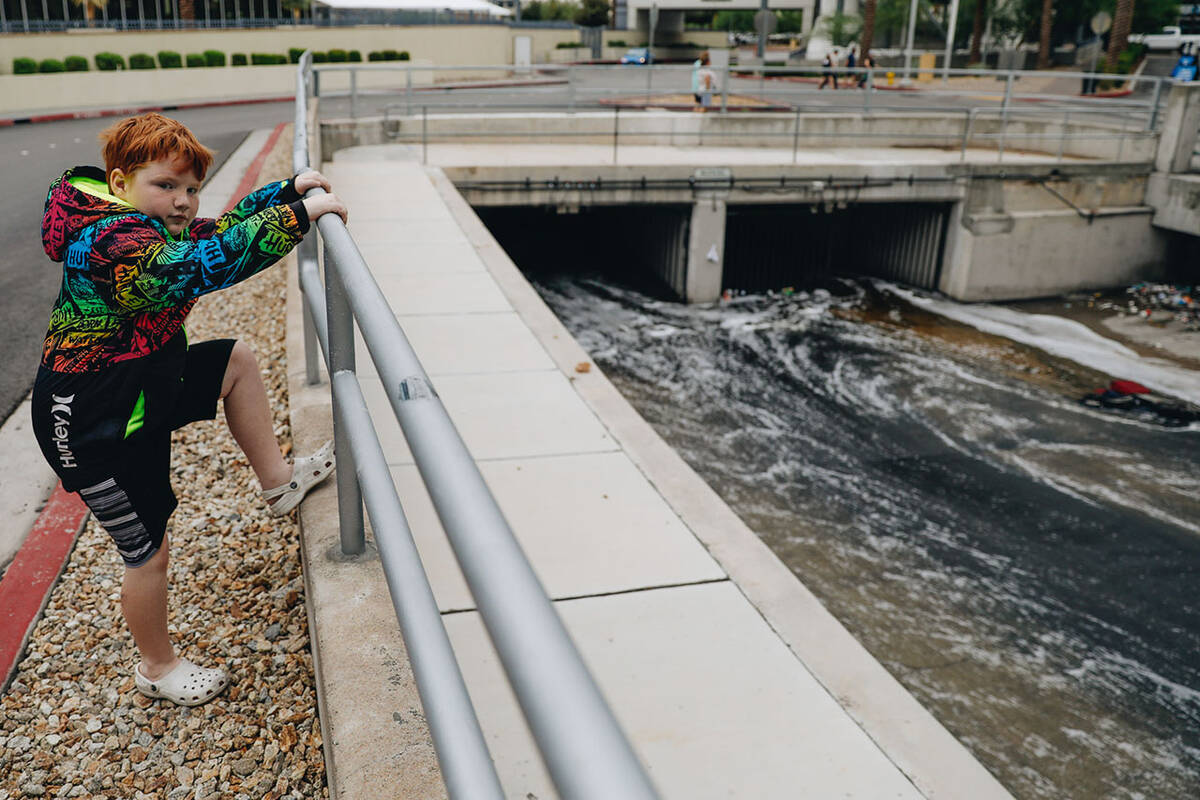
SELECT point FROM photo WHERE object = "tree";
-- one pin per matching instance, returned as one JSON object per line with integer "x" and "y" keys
{"x": 592, "y": 13}
{"x": 296, "y": 7}
{"x": 1119, "y": 37}
{"x": 868, "y": 26}
{"x": 737, "y": 21}
{"x": 1044, "y": 38}
{"x": 90, "y": 7}
{"x": 841, "y": 29}
{"x": 977, "y": 33}
{"x": 187, "y": 9}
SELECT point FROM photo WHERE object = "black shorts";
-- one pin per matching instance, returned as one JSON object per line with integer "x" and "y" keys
{"x": 134, "y": 503}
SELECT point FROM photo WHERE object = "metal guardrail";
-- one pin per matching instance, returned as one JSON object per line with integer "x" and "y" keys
{"x": 581, "y": 743}
{"x": 613, "y": 89}
{"x": 594, "y": 85}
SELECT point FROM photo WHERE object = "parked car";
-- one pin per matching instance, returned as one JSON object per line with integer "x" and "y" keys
{"x": 637, "y": 55}
{"x": 1171, "y": 38}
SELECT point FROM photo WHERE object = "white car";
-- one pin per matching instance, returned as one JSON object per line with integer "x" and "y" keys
{"x": 1171, "y": 38}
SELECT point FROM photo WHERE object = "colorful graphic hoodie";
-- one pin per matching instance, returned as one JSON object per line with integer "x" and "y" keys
{"x": 115, "y": 347}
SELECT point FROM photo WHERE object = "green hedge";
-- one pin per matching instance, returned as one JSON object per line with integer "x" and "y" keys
{"x": 388, "y": 55}
{"x": 51, "y": 65}
{"x": 267, "y": 58}
{"x": 24, "y": 66}
{"x": 214, "y": 58}
{"x": 337, "y": 56}
{"x": 354, "y": 56}
{"x": 108, "y": 62}
{"x": 195, "y": 60}
{"x": 169, "y": 59}
{"x": 238, "y": 60}
{"x": 75, "y": 64}
{"x": 142, "y": 61}
{"x": 569, "y": 45}
{"x": 294, "y": 54}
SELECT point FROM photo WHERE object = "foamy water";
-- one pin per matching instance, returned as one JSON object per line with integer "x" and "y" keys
{"x": 1025, "y": 565}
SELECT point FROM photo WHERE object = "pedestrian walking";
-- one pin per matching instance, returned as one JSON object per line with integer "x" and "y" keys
{"x": 868, "y": 63}
{"x": 829, "y": 69}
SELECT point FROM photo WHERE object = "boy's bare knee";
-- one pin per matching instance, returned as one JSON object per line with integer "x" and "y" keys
{"x": 242, "y": 362}
{"x": 154, "y": 567}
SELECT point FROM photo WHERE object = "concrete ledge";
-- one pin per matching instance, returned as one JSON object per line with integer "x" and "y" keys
{"x": 1176, "y": 199}
{"x": 1024, "y": 134}
{"x": 377, "y": 743}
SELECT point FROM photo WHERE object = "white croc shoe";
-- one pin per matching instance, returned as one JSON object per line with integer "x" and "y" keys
{"x": 187, "y": 684}
{"x": 307, "y": 472}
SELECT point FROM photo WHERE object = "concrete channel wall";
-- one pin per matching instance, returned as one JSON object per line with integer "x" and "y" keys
{"x": 1031, "y": 228}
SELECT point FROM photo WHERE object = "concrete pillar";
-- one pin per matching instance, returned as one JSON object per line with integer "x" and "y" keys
{"x": 1180, "y": 124}
{"x": 706, "y": 250}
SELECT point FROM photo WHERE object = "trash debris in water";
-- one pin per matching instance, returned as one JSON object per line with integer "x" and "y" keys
{"x": 1133, "y": 399}
{"x": 1165, "y": 302}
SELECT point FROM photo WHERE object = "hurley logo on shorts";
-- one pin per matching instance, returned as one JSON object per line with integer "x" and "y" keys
{"x": 61, "y": 413}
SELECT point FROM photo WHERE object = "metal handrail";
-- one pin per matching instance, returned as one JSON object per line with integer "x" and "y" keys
{"x": 584, "y": 749}
{"x": 571, "y": 72}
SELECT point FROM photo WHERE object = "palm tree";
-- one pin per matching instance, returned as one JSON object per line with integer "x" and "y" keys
{"x": 187, "y": 9}
{"x": 868, "y": 26}
{"x": 1044, "y": 44}
{"x": 90, "y": 7}
{"x": 977, "y": 32}
{"x": 1119, "y": 37}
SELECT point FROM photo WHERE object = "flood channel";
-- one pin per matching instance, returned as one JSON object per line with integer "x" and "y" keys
{"x": 1027, "y": 567}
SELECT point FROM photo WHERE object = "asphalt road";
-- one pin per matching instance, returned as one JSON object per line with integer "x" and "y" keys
{"x": 34, "y": 155}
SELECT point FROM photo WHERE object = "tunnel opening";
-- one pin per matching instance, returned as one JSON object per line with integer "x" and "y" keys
{"x": 765, "y": 246}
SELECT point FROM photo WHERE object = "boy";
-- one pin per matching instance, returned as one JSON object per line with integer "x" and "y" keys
{"x": 118, "y": 374}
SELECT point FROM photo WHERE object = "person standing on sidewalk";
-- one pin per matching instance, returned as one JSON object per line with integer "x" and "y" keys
{"x": 118, "y": 374}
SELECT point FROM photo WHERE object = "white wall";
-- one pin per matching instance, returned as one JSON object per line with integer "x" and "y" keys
{"x": 438, "y": 44}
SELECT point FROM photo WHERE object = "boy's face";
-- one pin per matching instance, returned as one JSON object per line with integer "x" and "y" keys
{"x": 167, "y": 189}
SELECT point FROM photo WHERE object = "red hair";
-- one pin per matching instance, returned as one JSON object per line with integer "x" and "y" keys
{"x": 134, "y": 142}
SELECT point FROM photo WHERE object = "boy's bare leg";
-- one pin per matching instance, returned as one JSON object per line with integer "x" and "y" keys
{"x": 249, "y": 418}
{"x": 144, "y": 605}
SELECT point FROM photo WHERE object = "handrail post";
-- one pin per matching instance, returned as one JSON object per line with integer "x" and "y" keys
{"x": 408, "y": 91}
{"x": 341, "y": 359}
{"x": 570, "y": 89}
{"x": 970, "y": 123}
{"x": 869, "y": 90}
{"x": 796, "y": 135}
{"x": 424, "y": 134}
{"x": 1152, "y": 122}
{"x": 725, "y": 90}
{"x": 1062, "y": 140}
{"x": 353, "y": 93}
{"x": 616, "y": 129}
{"x": 307, "y": 252}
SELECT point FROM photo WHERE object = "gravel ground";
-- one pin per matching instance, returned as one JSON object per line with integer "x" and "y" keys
{"x": 73, "y": 725}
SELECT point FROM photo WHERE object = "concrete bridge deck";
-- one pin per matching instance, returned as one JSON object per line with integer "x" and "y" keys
{"x": 728, "y": 675}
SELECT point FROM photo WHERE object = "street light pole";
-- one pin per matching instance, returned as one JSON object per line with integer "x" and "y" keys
{"x": 912, "y": 29}
{"x": 762, "y": 34}
{"x": 953, "y": 22}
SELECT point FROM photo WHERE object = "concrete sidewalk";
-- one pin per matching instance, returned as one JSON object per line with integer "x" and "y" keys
{"x": 728, "y": 675}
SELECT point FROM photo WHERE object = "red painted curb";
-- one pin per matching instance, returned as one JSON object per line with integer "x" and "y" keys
{"x": 250, "y": 178}
{"x": 130, "y": 111}
{"x": 26, "y": 586}
{"x": 27, "y": 583}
